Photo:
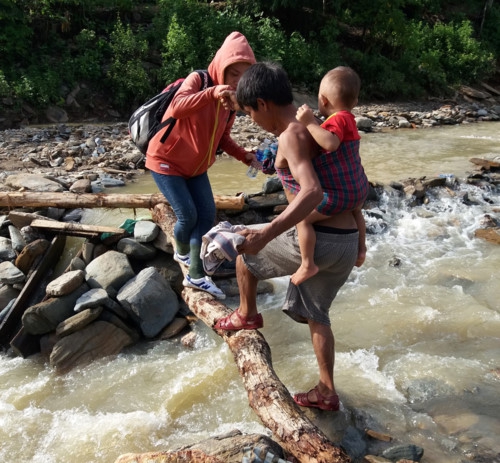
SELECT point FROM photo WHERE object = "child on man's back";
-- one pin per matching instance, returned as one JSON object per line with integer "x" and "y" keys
{"x": 338, "y": 137}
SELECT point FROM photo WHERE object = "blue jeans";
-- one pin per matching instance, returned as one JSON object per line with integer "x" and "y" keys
{"x": 193, "y": 203}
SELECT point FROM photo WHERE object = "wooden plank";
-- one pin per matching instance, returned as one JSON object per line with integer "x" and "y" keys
{"x": 75, "y": 229}
{"x": 11, "y": 324}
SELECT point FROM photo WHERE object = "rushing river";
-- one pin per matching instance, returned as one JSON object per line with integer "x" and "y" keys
{"x": 418, "y": 344}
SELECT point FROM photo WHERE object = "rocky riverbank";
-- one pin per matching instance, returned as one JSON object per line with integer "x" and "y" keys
{"x": 102, "y": 155}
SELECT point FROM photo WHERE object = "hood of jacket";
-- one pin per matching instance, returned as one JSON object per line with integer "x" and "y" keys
{"x": 235, "y": 49}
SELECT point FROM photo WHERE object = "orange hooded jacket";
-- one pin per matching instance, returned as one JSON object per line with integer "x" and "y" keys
{"x": 202, "y": 124}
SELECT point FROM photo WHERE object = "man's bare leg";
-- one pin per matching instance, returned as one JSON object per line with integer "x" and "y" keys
{"x": 323, "y": 343}
{"x": 246, "y": 315}
{"x": 247, "y": 285}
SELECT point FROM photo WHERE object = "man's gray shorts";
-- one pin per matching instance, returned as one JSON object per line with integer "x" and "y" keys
{"x": 335, "y": 255}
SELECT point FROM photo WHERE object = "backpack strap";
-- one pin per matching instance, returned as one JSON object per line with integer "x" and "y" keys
{"x": 206, "y": 81}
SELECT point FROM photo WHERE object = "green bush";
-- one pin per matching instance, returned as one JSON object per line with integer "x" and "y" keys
{"x": 126, "y": 76}
{"x": 400, "y": 49}
{"x": 448, "y": 54}
{"x": 38, "y": 87}
{"x": 89, "y": 56}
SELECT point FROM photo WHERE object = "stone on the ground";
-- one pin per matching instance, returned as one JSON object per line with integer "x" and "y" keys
{"x": 97, "y": 340}
{"x": 77, "y": 321}
{"x": 150, "y": 300}
{"x": 33, "y": 182}
{"x": 109, "y": 271}
{"x": 10, "y": 274}
{"x": 44, "y": 317}
{"x": 66, "y": 283}
{"x": 30, "y": 253}
{"x": 145, "y": 231}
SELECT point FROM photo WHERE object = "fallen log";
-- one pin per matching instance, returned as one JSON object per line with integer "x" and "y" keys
{"x": 68, "y": 200}
{"x": 486, "y": 163}
{"x": 267, "y": 396}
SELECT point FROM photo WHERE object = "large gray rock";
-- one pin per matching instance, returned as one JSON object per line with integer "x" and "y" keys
{"x": 6, "y": 251}
{"x": 33, "y": 182}
{"x": 150, "y": 300}
{"x": 97, "y": 340}
{"x": 136, "y": 250}
{"x": 29, "y": 255}
{"x": 66, "y": 283}
{"x": 17, "y": 239}
{"x": 145, "y": 231}
{"x": 109, "y": 271}
{"x": 44, "y": 317}
{"x": 7, "y": 293}
{"x": 78, "y": 321}
{"x": 10, "y": 274}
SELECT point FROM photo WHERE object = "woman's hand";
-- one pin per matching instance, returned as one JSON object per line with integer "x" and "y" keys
{"x": 251, "y": 160}
{"x": 227, "y": 96}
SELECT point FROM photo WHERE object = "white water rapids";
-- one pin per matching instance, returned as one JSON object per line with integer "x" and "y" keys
{"x": 418, "y": 344}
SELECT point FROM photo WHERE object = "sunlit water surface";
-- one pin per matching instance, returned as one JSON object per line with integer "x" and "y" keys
{"x": 418, "y": 344}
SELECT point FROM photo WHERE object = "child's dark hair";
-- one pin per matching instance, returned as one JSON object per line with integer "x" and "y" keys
{"x": 265, "y": 80}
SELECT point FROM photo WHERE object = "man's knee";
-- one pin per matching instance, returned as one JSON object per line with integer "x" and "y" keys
{"x": 240, "y": 265}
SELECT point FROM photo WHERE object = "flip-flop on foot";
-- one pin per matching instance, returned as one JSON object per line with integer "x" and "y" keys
{"x": 330, "y": 403}
{"x": 246, "y": 323}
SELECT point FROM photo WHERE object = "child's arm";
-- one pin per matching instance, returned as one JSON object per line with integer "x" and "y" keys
{"x": 360, "y": 222}
{"x": 324, "y": 138}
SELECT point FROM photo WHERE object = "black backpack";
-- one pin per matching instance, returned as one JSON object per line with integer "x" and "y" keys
{"x": 146, "y": 120}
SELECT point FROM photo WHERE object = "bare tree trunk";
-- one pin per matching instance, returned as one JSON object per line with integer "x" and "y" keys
{"x": 267, "y": 396}
{"x": 488, "y": 4}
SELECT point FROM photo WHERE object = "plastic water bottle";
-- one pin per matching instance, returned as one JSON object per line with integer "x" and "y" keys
{"x": 260, "y": 155}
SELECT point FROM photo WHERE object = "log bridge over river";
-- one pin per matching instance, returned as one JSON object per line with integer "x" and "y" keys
{"x": 267, "y": 396}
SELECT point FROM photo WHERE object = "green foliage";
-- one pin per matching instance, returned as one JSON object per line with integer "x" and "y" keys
{"x": 89, "y": 56}
{"x": 400, "y": 48}
{"x": 126, "y": 76}
{"x": 179, "y": 55}
{"x": 272, "y": 42}
{"x": 447, "y": 54}
{"x": 39, "y": 86}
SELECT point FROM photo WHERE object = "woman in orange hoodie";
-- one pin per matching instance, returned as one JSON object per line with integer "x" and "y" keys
{"x": 179, "y": 165}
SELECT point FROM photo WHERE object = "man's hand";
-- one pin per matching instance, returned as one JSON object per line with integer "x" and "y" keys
{"x": 255, "y": 240}
{"x": 305, "y": 115}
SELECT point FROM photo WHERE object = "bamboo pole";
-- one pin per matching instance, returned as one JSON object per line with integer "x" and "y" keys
{"x": 267, "y": 396}
{"x": 70, "y": 200}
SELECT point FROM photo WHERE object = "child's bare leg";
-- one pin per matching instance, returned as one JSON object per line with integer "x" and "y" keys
{"x": 307, "y": 243}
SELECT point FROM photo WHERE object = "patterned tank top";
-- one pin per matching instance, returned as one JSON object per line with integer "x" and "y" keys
{"x": 341, "y": 175}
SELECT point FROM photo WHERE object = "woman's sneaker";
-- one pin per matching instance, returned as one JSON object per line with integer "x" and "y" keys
{"x": 183, "y": 260}
{"x": 205, "y": 284}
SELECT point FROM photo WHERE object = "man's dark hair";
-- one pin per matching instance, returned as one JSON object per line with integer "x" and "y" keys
{"x": 265, "y": 80}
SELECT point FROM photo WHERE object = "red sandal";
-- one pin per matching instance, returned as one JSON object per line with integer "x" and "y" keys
{"x": 330, "y": 403}
{"x": 247, "y": 323}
